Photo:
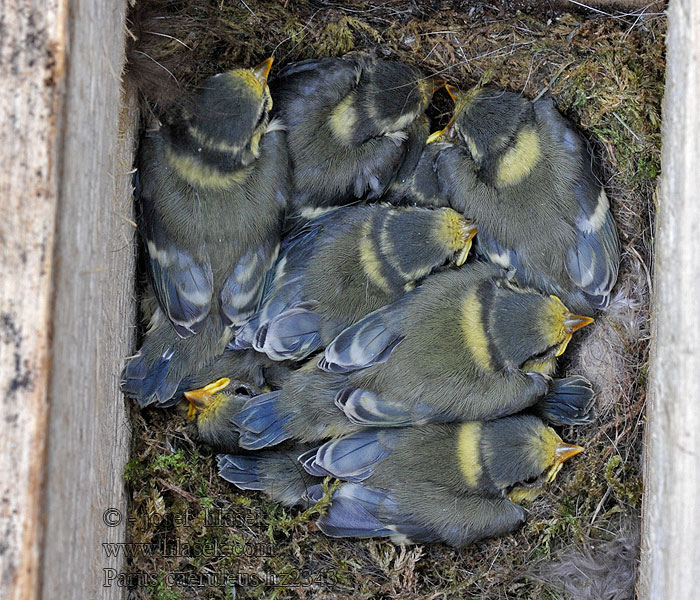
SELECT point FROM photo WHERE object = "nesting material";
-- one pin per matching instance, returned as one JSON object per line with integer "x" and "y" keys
{"x": 606, "y": 74}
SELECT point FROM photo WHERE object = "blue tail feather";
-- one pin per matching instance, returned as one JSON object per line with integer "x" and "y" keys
{"x": 149, "y": 384}
{"x": 260, "y": 423}
{"x": 242, "y": 471}
{"x": 353, "y": 513}
{"x": 569, "y": 402}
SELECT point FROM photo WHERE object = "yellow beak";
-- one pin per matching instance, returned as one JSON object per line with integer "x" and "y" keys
{"x": 434, "y": 84}
{"x": 562, "y": 453}
{"x": 446, "y": 130}
{"x": 572, "y": 323}
{"x": 436, "y": 135}
{"x": 263, "y": 69}
{"x": 452, "y": 91}
{"x": 575, "y": 322}
{"x": 201, "y": 397}
{"x": 469, "y": 230}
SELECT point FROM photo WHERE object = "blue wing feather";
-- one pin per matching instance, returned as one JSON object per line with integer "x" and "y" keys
{"x": 352, "y": 458}
{"x": 183, "y": 287}
{"x": 241, "y": 291}
{"x": 260, "y": 424}
{"x": 593, "y": 262}
{"x": 150, "y": 383}
{"x": 362, "y": 511}
{"x": 293, "y": 334}
{"x": 368, "y": 342}
{"x": 285, "y": 326}
{"x": 364, "y": 407}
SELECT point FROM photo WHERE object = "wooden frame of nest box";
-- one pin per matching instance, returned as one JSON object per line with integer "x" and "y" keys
{"x": 67, "y": 305}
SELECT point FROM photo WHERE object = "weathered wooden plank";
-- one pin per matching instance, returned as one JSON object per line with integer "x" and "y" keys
{"x": 671, "y": 513}
{"x": 93, "y": 313}
{"x": 66, "y": 293}
{"x": 32, "y": 74}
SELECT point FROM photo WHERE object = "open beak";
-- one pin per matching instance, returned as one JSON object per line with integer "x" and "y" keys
{"x": 201, "y": 397}
{"x": 571, "y": 324}
{"x": 562, "y": 453}
{"x": 452, "y": 91}
{"x": 448, "y": 130}
{"x": 469, "y": 230}
{"x": 263, "y": 70}
{"x": 445, "y": 131}
{"x": 434, "y": 84}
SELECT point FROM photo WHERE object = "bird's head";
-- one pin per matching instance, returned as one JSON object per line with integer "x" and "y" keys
{"x": 521, "y": 454}
{"x": 532, "y": 330}
{"x": 206, "y": 402}
{"x": 219, "y": 131}
{"x": 498, "y": 129}
{"x": 395, "y": 94}
{"x": 389, "y": 97}
{"x": 507, "y": 327}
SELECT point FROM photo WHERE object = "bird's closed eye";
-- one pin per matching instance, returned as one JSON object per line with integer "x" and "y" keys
{"x": 545, "y": 354}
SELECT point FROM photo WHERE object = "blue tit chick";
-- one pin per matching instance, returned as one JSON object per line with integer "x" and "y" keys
{"x": 343, "y": 265}
{"x": 256, "y": 369}
{"x": 467, "y": 344}
{"x": 212, "y": 407}
{"x": 392, "y": 488}
{"x": 352, "y": 123}
{"x": 212, "y": 184}
{"x": 277, "y": 472}
{"x": 523, "y": 174}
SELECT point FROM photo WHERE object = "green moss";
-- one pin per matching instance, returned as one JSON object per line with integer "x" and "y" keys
{"x": 283, "y": 521}
{"x": 624, "y": 480}
{"x": 160, "y": 591}
{"x": 607, "y": 75}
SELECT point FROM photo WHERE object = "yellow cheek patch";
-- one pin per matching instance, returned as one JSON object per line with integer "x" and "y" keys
{"x": 250, "y": 80}
{"x": 255, "y": 143}
{"x": 458, "y": 232}
{"x": 370, "y": 261}
{"x": 563, "y": 345}
{"x": 210, "y": 410}
{"x": 343, "y": 120}
{"x": 519, "y": 161}
{"x": 550, "y": 440}
{"x": 200, "y": 175}
{"x": 468, "y": 452}
{"x": 474, "y": 332}
{"x": 552, "y": 321}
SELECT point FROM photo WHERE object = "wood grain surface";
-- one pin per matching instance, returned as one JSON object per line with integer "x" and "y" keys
{"x": 32, "y": 61}
{"x": 66, "y": 294}
{"x": 93, "y": 314}
{"x": 670, "y": 567}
